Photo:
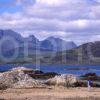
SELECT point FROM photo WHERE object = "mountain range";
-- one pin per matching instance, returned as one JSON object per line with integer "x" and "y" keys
{"x": 49, "y": 51}
{"x": 11, "y": 41}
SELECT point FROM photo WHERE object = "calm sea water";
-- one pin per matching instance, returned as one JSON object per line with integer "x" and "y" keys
{"x": 62, "y": 69}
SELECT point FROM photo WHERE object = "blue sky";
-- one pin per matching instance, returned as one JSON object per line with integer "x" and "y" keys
{"x": 72, "y": 20}
{"x": 9, "y": 6}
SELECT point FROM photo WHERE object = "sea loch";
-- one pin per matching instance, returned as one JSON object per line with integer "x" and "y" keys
{"x": 62, "y": 69}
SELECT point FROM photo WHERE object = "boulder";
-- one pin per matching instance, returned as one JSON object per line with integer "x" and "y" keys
{"x": 64, "y": 80}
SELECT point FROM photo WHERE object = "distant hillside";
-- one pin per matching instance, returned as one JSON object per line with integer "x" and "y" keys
{"x": 86, "y": 54}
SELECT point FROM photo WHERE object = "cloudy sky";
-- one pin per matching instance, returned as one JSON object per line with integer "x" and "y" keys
{"x": 72, "y": 20}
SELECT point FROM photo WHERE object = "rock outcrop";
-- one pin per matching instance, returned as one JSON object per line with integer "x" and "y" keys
{"x": 28, "y": 83}
{"x": 17, "y": 78}
{"x": 64, "y": 80}
{"x": 20, "y": 78}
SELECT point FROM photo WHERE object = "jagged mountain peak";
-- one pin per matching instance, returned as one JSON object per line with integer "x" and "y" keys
{"x": 57, "y": 43}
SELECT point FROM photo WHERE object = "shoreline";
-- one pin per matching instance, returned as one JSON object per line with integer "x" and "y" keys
{"x": 25, "y": 84}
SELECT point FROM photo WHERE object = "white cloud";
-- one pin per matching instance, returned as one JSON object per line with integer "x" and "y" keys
{"x": 49, "y": 2}
{"x": 75, "y": 20}
{"x": 97, "y": 1}
{"x": 59, "y": 2}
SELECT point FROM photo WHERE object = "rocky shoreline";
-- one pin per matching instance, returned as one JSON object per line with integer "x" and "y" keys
{"x": 21, "y": 77}
{"x": 28, "y": 84}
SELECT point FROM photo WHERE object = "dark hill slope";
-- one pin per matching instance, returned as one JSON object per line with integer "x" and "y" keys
{"x": 86, "y": 54}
